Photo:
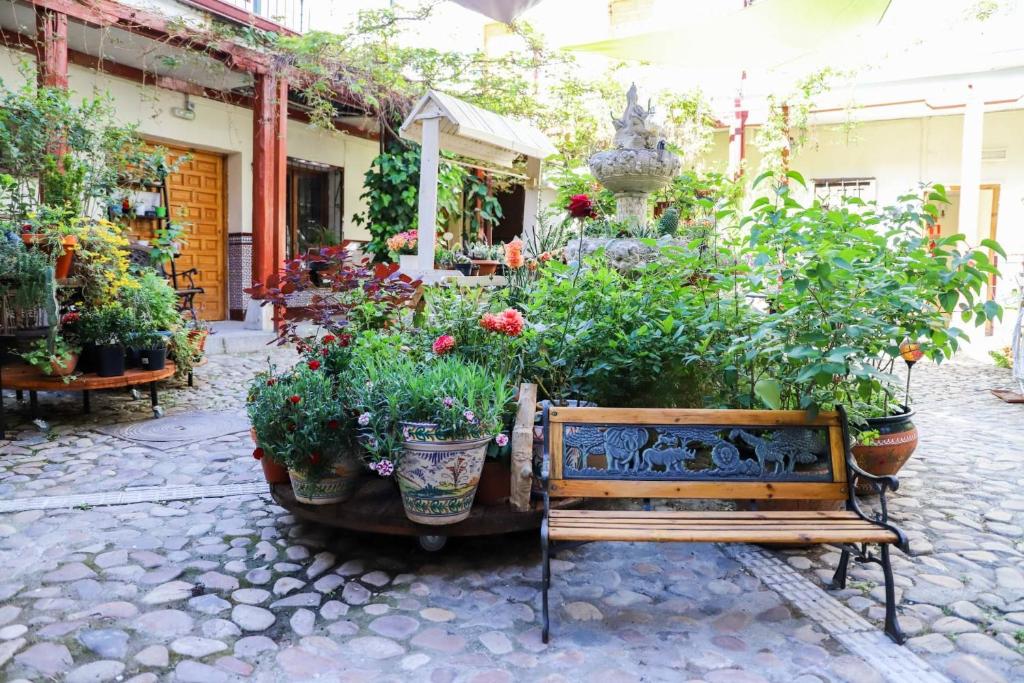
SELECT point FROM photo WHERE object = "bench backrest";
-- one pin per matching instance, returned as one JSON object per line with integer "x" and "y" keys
{"x": 729, "y": 454}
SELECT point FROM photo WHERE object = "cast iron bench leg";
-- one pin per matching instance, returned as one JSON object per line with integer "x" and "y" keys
{"x": 839, "y": 579}
{"x": 892, "y": 626}
{"x": 545, "y": 578}
{"x": 86, "y": 407}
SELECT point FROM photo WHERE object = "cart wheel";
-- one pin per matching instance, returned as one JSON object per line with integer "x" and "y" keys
{"x": 158, "y": 411}
{"x": 135, "y": 394}
{"x": 432, "y": 543}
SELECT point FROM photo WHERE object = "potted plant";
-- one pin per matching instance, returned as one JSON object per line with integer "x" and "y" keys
{"x": 300, "y": 424}
{"x": 152, "y": 347}
{"x": 402, "y": 248}
{"x": 198, "y": 334}
{"x": 108, "y": 327}
{"x": 445, "y": 412}
{"x": 53, "y": 356}
{"x": 485, "y": 257}
{"x": 496, "y": 477}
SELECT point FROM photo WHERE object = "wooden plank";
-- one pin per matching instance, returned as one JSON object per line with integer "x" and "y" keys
{"x": 755, "y": 490}
{"x": 838, "y": 452}
{"x": 522, "y": 448}
{"x": 554, "y": 437}
{"x": 27, "y": 378}
{"x": 694, "y": 536}
{"x": 645, "y": 528}
{"x": 732, "y": 418}
{"x": 705, "y": 514}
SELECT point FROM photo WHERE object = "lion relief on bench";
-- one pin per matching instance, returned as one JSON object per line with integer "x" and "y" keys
{"x": 593, "y": 451}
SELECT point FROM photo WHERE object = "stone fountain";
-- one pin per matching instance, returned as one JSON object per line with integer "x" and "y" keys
{"x": 639, "y": 165}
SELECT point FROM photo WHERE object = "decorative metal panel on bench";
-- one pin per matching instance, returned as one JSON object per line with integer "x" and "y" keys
{"x": 712, "y": 454}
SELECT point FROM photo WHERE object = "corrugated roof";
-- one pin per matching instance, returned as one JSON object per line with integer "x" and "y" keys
{"x": 476, "y": 132}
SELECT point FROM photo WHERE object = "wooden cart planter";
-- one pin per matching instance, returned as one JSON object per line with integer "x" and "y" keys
{"x": 377, "y": 506}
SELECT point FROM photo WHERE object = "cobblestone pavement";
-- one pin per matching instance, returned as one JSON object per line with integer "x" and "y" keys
{"x": 234, "y": 588}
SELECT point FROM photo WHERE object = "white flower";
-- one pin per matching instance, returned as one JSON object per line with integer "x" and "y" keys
{"x": 364, "y": 419}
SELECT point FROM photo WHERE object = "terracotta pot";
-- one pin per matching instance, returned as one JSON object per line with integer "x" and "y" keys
{"x": 63, "y": 266}
{"x": 486, "y": 266}
{"x": 438, "y": 479}
{"x": 336, "y": 487}
{"x": 273, "y": 472}
{"x": 63, "y": 369}
{"x": 495, "y": 485}
{"x": 896, "y": 442}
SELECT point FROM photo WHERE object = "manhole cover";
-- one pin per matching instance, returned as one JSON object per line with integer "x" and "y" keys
{"x": 174, "y": 431}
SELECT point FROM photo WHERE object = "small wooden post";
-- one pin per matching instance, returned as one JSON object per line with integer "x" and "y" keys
{"x": 52, "y": 48}
{"x": 263, "y": 178}
{"x": 531, "y": 197}
{"x": 522, "y": 448}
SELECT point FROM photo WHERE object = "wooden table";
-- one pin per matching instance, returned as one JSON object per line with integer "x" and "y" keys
{"x": 23, "y": 377}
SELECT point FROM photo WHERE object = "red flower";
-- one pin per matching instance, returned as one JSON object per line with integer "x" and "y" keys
{"x": 258, "y": 454}
{"x": 271, "y": 382}
{"x": 329, "y": 338}
{"x": 70, "y": 318}
{"x": 345, "y": 340}
{"x": 582, "y": 206}
{"x": 314, "y": 457}
{"x": 509, "y": 322}
{"x": 295, "y": 399}
{"x": 332, "y": 424}
{"x": 313, "y": 365}
{"x": 325, "y": 352}
{"x": 444, "y": 344}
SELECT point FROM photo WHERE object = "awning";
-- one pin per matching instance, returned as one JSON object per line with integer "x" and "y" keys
{"x": 768, "y": 34}
{"x": 474, "y": 132}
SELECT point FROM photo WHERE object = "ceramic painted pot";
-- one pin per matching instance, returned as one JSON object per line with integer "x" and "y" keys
{"x": 438, "y": 478}
{"x": 896, "y": 442}
{"x": 335, "y": 488}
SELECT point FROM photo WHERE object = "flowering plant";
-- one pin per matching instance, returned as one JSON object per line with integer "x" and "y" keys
{"x": 329, "y": 352}
{"x": 402, "y": 243}
{"x": 299, "y": 420}
{"x": 581, "y": 206}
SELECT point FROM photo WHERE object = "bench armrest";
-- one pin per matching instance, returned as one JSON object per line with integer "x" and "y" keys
{"x": 879, "y": 482}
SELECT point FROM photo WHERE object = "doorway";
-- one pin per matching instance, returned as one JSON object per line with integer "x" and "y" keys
{"x": 314, "y": 210}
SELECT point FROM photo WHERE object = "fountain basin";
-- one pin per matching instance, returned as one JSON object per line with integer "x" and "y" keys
{"x": 634, "y": 171}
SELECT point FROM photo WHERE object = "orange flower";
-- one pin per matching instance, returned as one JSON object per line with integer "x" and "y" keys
{"x": 514, "y": 254}
{"x": 531, "y": 265}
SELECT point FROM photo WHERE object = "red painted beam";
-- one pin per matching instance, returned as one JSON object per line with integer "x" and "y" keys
{"x": 52, "y": 48}
{"x": 280, "y": 181}
{"x": 264, "y": 178}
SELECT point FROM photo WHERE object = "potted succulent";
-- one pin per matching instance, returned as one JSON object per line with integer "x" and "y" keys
{"x": 53, "y": 356}
{"x": 445, "y": 412}
{"x": 485, "y": 257}
{"x": 299, "y": 423}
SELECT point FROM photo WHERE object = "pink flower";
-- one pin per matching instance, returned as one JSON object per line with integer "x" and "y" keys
{"x": 384, "y": 468}
{"x": 364, "y": 419}
{"x": 444, "y": 344}
{"x": 501, "y": 440}
{"x": 448, "y": 401}
{"x": 470, "y": 416}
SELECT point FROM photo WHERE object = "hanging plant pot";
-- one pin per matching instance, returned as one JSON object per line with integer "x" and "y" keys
{"x": 153, "y": 359}
{"x": 896, "y": 442}
{"x": 110, "y": 360}
{"x": 335, "y": 487}
{"x": 438, "y": 478}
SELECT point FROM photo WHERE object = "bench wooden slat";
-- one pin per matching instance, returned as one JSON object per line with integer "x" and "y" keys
{"x": 738, "y": 490}
{"x": 656, "y": 416}
{"x": 768, "y": 535}
{"x": 708, "y": 514}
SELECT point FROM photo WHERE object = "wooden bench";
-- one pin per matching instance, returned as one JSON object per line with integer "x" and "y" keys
{"x": 746, "y": 455}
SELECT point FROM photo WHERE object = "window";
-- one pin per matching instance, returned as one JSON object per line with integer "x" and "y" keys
{"x": 831, "y": 191}
{"x": 314, "y": 196}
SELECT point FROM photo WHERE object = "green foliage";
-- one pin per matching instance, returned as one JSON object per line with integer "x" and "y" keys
{"x": 24, "y": 272}
{"x": 392, "y": 193}
{"x": 668, "y": 224}
{"x": 153, "y": 301}
{"x": 1003, "y": 358}
{"x": 46, "y": 350}
{"x": 569, "y": 182}
{"x": 689, "y": 124}
{"x": 488, "y": 213}
{"x": 108, "y": 325}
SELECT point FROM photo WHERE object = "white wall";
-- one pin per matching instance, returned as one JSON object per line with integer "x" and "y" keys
{"x": 902, "y": 154}
{"x": 218, "y": 127}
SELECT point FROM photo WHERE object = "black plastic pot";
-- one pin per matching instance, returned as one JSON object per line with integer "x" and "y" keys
{"x": 464, "y": 268}
{"x": 87, "y": 359}
{"x": 110, "y": 361}
{"x": 153, "y": 359}
{"x": 132, "y": 357}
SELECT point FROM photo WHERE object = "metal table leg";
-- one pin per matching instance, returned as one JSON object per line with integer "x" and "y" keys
{"x": 157, "y": 410}
{"x": 86, "y": 408}
{"x": 33, "y": 403}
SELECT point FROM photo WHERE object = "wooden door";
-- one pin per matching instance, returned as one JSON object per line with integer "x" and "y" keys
{"x": 196, "y": 193}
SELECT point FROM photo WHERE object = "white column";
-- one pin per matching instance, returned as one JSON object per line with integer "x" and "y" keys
{"x": 429, "y": 159}
{"x": 531, "y": 197}
{"x": 970, "y": 165}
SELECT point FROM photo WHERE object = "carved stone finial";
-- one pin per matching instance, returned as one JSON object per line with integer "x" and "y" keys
{"x": 634, "y": 130}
